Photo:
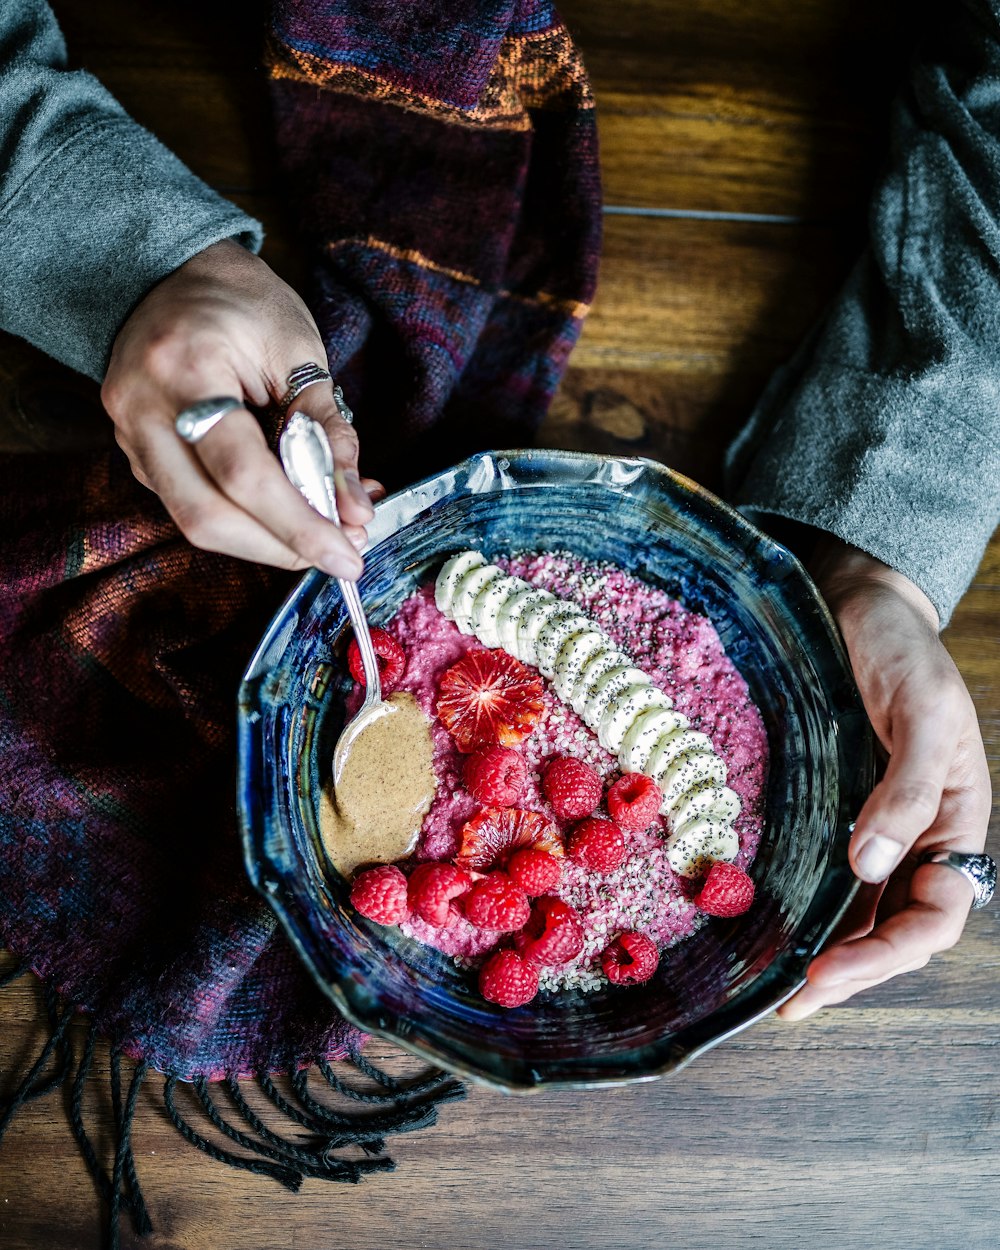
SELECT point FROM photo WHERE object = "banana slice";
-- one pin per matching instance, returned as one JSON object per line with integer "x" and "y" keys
{"x": 687, "y": 771}
{"x": 511, "y": 612}
{"x": 554, "y": 633}
{"x": 707, "y": 801}
{"x": 690, "y": 851}
{"x": 604, "y": 659}
{"x": 644, "y": 735}
{"x": 466, "y": 589}
{"x": 670, "y": 747}
{"x": 608, "y": 686}
{"x": 452, "y": 571}
{"x": 573, "y": 656}
{"x": 530, "y": 626}
{"x": 486, "y": 607}
{"x": 622, "y": 710}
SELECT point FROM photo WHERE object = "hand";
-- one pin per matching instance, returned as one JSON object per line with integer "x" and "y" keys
{"x": 225, "y": 324}
{"x": 935, "y": 794}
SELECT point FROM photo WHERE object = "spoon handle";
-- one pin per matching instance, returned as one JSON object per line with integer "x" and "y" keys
{"x": 307, "y": 458}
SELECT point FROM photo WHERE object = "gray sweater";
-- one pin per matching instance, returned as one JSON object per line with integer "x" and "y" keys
{"x": 94, "y": 210}
{"x": 885, "y": 428}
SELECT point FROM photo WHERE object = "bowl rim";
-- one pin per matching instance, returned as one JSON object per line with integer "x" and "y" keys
{"x": 778, "y": 982}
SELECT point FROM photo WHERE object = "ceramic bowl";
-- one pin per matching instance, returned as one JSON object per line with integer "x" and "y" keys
{"x": 670, "y": 532}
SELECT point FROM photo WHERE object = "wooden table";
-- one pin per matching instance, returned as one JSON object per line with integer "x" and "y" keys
{"x": 737, "y": 140}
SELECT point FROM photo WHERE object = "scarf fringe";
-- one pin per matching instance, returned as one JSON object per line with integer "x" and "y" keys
{"x": 393, "y": 1107}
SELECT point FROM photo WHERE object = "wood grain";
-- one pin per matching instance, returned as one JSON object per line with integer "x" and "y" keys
{"x": 860, "y": 1119}
{"x": 768, "y": 108}
{"x": 875, "y": 1122}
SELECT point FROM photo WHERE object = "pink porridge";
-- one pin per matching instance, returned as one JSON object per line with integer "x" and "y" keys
{"x": 681, "y": 653}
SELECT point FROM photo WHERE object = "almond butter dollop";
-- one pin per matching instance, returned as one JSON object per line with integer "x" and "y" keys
{"x": 386, "y": 787}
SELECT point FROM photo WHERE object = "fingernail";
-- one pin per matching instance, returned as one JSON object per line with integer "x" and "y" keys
{"x": 356, "y": 538}
{"x": 878, "y": 857}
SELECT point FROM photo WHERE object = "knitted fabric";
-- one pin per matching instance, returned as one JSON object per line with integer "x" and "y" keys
{"x": 444, "y": 172}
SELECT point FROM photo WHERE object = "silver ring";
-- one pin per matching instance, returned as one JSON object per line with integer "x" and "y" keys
{"x": 979, "y": 870}
{"x": 346, "y": 415}
{"x": 194, "y": 422}
{"x": 301, "y": 377}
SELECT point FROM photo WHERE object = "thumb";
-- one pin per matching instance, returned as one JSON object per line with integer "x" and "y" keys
{"x": 353, "y": 501}
{"x": 906, "y": 801}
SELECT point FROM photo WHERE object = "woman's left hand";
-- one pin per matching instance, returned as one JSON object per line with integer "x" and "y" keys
{"x": 935, "y": 794}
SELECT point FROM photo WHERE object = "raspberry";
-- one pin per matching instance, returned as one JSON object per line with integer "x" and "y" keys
{"x": 573, "y": 788}
{"x": 631, "y": 958}
{"x": 597, "y": 844}
{"x": 727, "y": 891}
{"x": 553, "y": 934}
{"x": 535, "y": 871}
{"x": 391, "y": 659}
{"x": 507, "y": 979}
{"x": 380, "y": 894}
{"x": 432, "y": 887}
{"x": 495, "y": 776}
{"x": 634, "y": 801}
{"x": 496, "y": 902}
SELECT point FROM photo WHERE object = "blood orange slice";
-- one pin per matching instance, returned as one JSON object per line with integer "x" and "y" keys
{"x": 495, "y": 831}
{"x": 489, "y": 697}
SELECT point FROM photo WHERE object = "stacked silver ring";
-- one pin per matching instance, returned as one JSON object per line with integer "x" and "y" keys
{"x": 299, "y": 379}
{"x": 308, "y": 375}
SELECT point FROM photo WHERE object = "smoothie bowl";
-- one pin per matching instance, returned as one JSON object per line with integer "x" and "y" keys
{"x": 661, "y": 636}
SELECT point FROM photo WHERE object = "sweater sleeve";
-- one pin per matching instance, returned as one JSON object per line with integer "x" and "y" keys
{"x": 885, "y": 428}
{"x": 93, "y": 209}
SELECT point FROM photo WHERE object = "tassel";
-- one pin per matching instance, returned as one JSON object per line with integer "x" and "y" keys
{"x": 27, "y": 1090}
{"x": 397, "y": 1107}
{"x": 289, "y": 1177}
{"x": 124, "y": 1165}
{"x": 310, "y": 1158}
{"x": 309, "y": 1163}
{"x": 76, "y": 1115}
{"x": 403, "y": 1119}
{"x": 12, "y": 973}
{"x": 434, "y": 1081}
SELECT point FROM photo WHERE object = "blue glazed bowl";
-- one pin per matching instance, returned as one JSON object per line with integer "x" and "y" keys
{"x": 668, "y": 531}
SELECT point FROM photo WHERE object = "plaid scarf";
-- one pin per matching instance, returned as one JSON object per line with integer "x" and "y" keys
{"x": 443, "y": 168}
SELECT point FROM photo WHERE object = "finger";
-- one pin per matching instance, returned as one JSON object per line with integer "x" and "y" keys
{"x": 236, "y": 457}
{"x": 814, "y": 997}
{"x": 376, "y": 490}
{"x": 906, "y": 801}
{"x": 921, "y": 912}
{"x": 353, "y": 501}
{"x": 204, "y": 516}
{"x": 932, "y": 921}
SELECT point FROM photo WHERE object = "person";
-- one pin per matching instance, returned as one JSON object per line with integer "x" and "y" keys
{"x": 840, "y": 445}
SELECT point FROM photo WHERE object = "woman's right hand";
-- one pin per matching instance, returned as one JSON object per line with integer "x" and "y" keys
{"x": 225, "y": 324}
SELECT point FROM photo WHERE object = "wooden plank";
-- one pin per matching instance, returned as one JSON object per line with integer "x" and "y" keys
{"x": 718, "y": 107}
{"x": 727, "y": 1153}
{"x": 722, "y": 106}
{"x": 708, "y": 296}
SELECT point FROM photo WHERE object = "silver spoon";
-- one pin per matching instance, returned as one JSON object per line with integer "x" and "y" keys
{"x": 307, "y": 459}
